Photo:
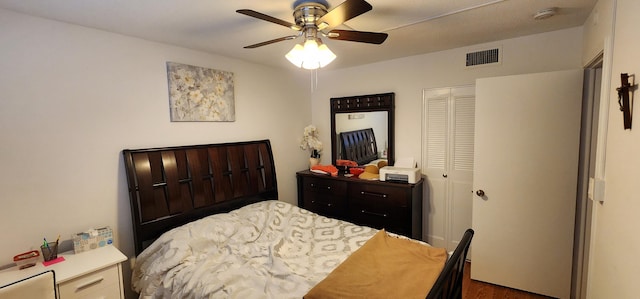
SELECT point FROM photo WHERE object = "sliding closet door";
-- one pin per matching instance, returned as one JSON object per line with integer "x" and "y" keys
{"x": 447, "y": 155}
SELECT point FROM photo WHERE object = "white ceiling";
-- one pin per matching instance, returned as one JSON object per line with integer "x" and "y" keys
{"x": 414, "y": 26}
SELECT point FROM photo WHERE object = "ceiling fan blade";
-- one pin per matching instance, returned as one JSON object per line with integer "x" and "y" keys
{"x": 358, "y": 36}
{"x": 271, "y": 41}
{"x": 261, "y": 16}
{"x": 342, "y": 13}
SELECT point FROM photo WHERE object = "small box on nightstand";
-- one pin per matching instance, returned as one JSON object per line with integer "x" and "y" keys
{"x": 92, "y": 239}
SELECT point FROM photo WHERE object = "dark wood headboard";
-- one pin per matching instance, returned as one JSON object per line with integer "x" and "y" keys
{"x": 359, "y": 146}
{"x": 171, "y": 186}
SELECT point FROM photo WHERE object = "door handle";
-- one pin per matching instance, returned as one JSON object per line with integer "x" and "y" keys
{"x": 444, "y": 175}
{"x": 480, "y": 192}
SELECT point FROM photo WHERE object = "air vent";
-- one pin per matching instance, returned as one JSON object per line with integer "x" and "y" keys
{"x": 484, "y": 57}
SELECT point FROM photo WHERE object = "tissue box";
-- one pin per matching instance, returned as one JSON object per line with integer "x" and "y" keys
{"x": 92, "y": 239}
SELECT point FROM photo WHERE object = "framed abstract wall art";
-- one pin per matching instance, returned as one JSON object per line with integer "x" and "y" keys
{"x": 200, "y": 94}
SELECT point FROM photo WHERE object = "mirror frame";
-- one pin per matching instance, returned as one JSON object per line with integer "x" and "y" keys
{"x": 364, "y": 103}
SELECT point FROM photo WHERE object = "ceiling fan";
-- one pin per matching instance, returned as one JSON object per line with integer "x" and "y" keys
{"x": 313, "y": 17}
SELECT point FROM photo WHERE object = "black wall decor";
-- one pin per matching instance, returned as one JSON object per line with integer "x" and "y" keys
{"x": 625, "y": 100}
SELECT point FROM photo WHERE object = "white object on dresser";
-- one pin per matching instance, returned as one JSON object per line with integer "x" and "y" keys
{"x": 95, "y": 273}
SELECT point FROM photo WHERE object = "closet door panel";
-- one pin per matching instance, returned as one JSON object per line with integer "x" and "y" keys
{"x": 435, "y": 147}
{"x": 461, "y": 166}
{"x": 448, "y": 142}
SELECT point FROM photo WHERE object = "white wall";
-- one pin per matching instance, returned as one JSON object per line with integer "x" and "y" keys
{"x": 596, "y": 29}
{"x": 407, "y": 77}
{"x": 73, "y": 98}
{"x": 614, "y": 268}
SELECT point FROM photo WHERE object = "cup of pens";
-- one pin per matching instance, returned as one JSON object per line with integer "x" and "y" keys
{"x": 49, "y": 250}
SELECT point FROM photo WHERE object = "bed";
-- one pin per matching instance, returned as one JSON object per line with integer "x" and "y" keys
{"x": 207, "y": 224}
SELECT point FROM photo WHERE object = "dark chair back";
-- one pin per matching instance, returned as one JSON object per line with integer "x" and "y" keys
{"x": 449, "y": 282}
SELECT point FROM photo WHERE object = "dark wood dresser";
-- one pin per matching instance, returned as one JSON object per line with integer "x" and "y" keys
{"x": 396, "y": 207}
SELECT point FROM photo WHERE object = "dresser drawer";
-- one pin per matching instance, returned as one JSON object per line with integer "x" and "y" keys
{"x": 378, "y": 195}
{"x": 381, "y": 207}
{"x": 326, "y": 197}
{"x": 104, "y": 283}
{"x": 397, "y": 220}
{"x": 325, "y": 187}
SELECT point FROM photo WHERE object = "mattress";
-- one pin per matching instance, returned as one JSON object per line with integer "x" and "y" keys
{"x": 269, "y": 249}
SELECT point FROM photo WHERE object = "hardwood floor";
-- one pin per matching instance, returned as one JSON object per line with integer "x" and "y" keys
{"x": 472, "y": 289}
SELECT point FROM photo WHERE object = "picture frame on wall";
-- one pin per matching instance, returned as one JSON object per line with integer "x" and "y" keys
{"x": 200, "y": 94}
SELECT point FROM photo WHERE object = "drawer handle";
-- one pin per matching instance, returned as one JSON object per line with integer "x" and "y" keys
{"x": 326, "y": 204}
{"x": 373, "y": 194}
{"x": 384, "y": 215}
{"x": 89, "y": 283}
{"x": 314, "y": 186}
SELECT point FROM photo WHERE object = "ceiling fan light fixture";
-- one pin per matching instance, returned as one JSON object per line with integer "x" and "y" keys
{"x": 312, "y": 17}
{"x": 295, "y": 55}
{"x": 310, "y": 55}
{"x": 326, "y": 55}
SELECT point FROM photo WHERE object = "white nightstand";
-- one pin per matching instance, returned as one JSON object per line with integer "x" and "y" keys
{"x": 91, "y": 274}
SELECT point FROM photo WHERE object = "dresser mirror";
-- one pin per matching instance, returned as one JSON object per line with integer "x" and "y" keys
{"x": 362, "y": 128}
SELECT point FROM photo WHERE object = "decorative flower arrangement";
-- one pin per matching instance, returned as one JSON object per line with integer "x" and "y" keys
{"x": 311, "y": 142}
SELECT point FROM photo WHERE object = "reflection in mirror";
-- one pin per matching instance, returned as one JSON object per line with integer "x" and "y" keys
{"x": 365, "y": 134}
{"x": 362, "y": 128}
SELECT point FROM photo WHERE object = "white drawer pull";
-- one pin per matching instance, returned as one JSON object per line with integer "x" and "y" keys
{"x": 90, "y": 283}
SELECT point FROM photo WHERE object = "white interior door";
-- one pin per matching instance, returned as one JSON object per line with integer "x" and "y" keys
{"x": 448, "y": 163}
{"x": 526, "y": 163}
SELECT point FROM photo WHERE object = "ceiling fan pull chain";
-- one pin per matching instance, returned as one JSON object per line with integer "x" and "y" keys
{"x": 315, "y": 75}
{"x": 314, "y": 80}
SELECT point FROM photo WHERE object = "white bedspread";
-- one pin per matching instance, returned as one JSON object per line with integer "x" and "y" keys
{"x": 270, "y": 249}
